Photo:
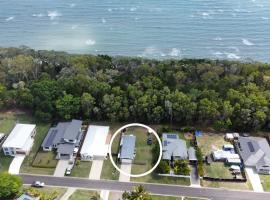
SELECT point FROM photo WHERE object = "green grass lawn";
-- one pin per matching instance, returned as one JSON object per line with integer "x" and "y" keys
{"x": 265, "y": 180}
{"x": 47, "y": 192}
{"x": 4, "y": 162}
{"x": 217, "y": 170}
{"x": 153, "y": 178}
{"x": 108, "y": 171}
{"x": 45, "y": 159}
{"x": 81, "y": 170}
{"x": 83, "y": 195}
{"x": 143, "y": 159}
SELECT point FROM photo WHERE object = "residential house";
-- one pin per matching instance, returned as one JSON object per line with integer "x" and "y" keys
{"x": 173, "y": 147}
{"x": 64, "y": 138}
{"x": 20, "y": 140}
{"x": 127, "y": 148}
{"x": 96, "y": 143}
{"x": 255, "y": 152}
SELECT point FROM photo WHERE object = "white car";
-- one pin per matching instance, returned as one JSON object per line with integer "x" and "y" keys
{"x": 38, "y": 184}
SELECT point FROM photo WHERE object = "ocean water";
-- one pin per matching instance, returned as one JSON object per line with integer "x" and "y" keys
{"x": 231, "y": 29}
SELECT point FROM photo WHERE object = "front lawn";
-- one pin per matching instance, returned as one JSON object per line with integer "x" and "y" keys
{"x": 82, "y": 169}
{"x": 154, "y": 178}
{"x": 265, "y": 180}
{"x": 84, "y": 195}
{"x": 45, "y": 193}
{"x": 45, "y": 159}
{"x": 217, "y": 170}
{"x": 108, "y": 171}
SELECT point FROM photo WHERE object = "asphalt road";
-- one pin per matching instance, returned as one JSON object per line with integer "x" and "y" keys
{"x": 175, "y": 190}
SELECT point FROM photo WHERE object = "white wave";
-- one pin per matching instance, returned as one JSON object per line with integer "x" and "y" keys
{"x": 133, "y": 9}
{"x": 136, "y": 18}
{"x": 103, "y": 20}
{"x": 247, "y": 42}
{"x": 218, "y": 38}
{"x": 74, "y": 26}
{"x": 9, "y": 18}
{"x": 205, "y": 14}
{"x": 218, "y": 53}
{"x": 54, "y": 14}
{"x": 175, "y": 52}
{"x": 90, "y": 42}
{"x": 233, "y": 56}
{"x": 149, "y": 51}
{"x": 72, "y": 5}
{"x": 265, "y": 18}
{"x": 38, "y": 15}
{"x": 110, "y": 9}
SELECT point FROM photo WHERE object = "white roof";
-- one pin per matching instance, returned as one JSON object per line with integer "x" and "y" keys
{"x": 95, "y": 141}
{"x": 234, "y": 160}
{"x": 19, "y": 135}
{"x": 228, "y": 146}
{"x": 229, "y": 135}
{"x": 220, "y": 154}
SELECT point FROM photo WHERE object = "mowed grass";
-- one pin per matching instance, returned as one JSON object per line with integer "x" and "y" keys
{"x": 4, "y": 162}
{"x": 45, "y": 159}
{"x": 82, "y": 170}
{"x": 265, "y": 180}
{"x": 217, "y": 170}
{"x": 143, "y": 159}
{"x": 108, "y": 170}
{"x": 83, "y": 195}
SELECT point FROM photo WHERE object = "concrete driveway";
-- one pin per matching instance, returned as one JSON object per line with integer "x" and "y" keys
{"x": 194, "y": 177}
{"x": 15, "y": 165}
{"x": 61, "y": 168}
{"x": 96, "y": 169}
{"x": 254, "y": 179}
{"x": 126, "y": 168}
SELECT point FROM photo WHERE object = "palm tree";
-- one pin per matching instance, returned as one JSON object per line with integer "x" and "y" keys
{"x": 139, "y": 193}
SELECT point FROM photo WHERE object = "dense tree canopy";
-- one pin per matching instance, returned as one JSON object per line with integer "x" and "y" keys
{"x": 9, "y": 185}
{"x": 57, "y": 85}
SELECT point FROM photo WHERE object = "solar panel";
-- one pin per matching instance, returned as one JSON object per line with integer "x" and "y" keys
{"x": 172, "y": 136}
{"x": 250, "y": 146}
{"x": 51, "y": 137}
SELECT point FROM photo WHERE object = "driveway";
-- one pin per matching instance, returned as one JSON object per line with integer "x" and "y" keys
{"x": 194, "y": 177}
{"x": 61, "y": 168}
{"x": 15, "y": 165}
{"x": 126, "y": 168}
{"x": 96, "y": 169}
{"x": 254, "y": 179}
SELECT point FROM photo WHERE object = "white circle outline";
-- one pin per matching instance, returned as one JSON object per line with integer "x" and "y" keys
{"x": 160, "y": 150}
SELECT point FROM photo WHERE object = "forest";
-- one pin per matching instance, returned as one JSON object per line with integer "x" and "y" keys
{"x": 227, "y": 95}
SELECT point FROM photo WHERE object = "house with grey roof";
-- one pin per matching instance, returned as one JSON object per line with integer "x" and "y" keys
{"x": 63, "y": 138}
{"x": 255, "y": 152}
{"x": 173, "y": 148}
{"x": 127, "y": 148}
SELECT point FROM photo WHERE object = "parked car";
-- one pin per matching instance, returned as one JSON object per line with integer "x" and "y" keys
{"x": 68, "y": 171}
{"x": 38, "y": 184}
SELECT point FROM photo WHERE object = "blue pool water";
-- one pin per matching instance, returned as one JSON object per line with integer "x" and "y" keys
{"x": 233, "y": 29}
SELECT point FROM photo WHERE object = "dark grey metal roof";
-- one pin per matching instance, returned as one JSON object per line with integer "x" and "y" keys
{"x": 192, "y": 154}
{"x": 128, "y": 147}
{"x": 255, "y": 151}
{"x": 55, "y": 135}
{"x": 65, "y": 148}
{"x": 173, "y": 147}
{"x": 73, "y": 130}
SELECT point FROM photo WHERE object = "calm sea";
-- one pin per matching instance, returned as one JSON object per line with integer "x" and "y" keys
{"x": 233, "y": 29}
